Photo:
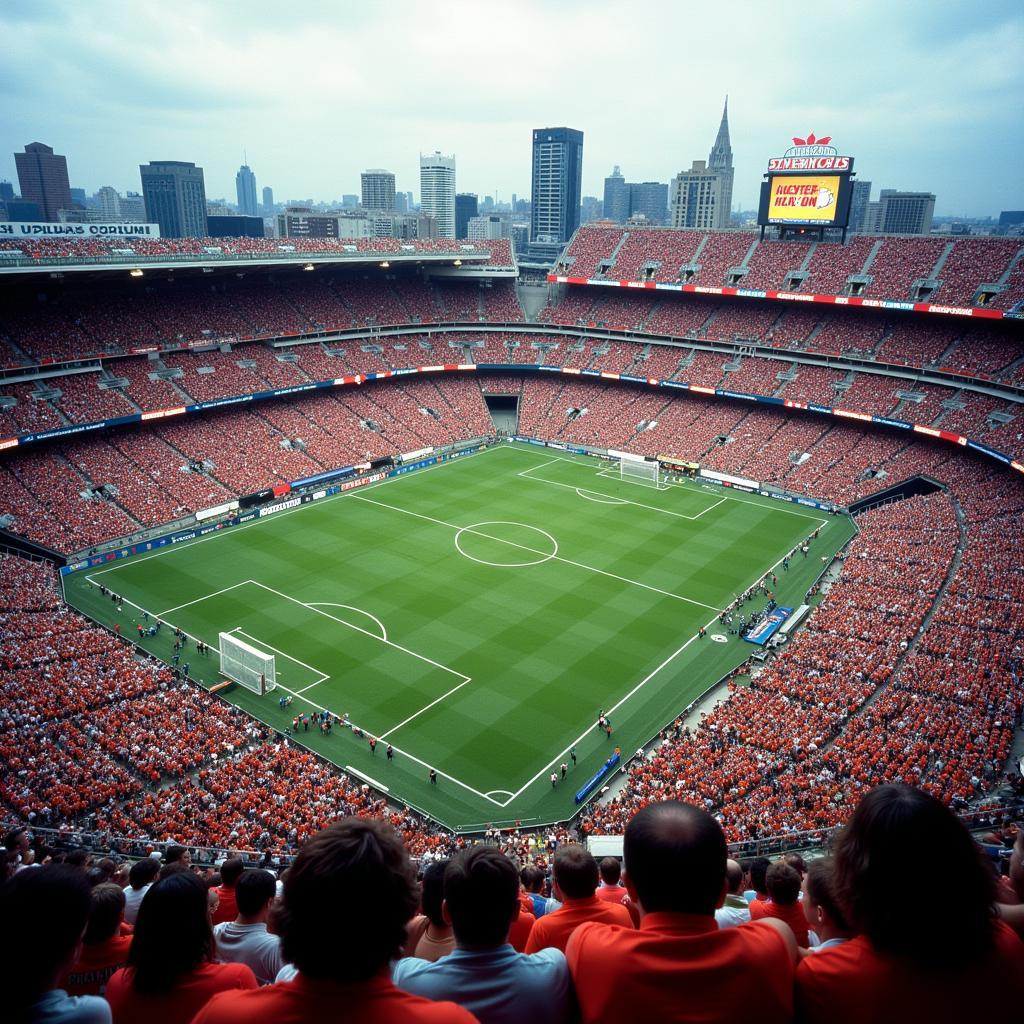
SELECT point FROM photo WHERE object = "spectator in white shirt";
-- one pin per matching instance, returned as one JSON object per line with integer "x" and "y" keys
{"x": 142, "y": 875}
{"x": 246, "y": 939}
{"x": 735, "y": 910}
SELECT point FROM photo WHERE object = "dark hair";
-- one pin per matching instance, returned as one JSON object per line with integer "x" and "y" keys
{"x": 758, "y": 869}
{"x": 176, "y": 867}
{"x": 481, "y": 888}
{"x": 675, "y": 858}
{"x": 231, "y": 870}
{"x": 889, "y": 827}
{"x": 173, "y": 854}
{"x": 105, "y": 913}
{"x": 432, "y": 893}
{"x": 78, "y": 859}
{"x": 254, "y": 889}
{"x": 734, "y": 876}
{"x": 357, "y": 870}
{"x": 575, "y": 871}
{"x": 794, "y": 860}
{"x": 143, "y": 872}
{"x": 13, "y": 838}
{"x": 172, "y": 933}
{"x": 532, "y": 878}
{"x": 611, "y": 870}
{"x": 783, "y": 884}
{"x": 821, "y": 890}
{"x": 44, "y": 911}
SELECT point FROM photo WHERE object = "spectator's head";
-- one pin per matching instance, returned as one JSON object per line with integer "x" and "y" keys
{"x": 532, "y": 878}
{"x": 143, "y": 872}
{"x": 734, "y": 877}
{"x": 758, "y": 869}
{"x": 432, "y": 893}
{"x": 106, "y": 867}
{"x": 105, "y": 913}
{"x": 794, "y": 860}
{"x": 178, "y": 867}
{"x": 16, "y": 842}
{"x": 230, "y": 872}
{"x": 675, "y": 859}
{"x": 44, "y": 911}
{"x": 821, "y": 908}
{"x": 80, "y": 859}
{"x": 178, "y": 855}
{"x": 172, "y": 933}
{"x": 481, "y": 896}
{"x": 611, "y": 870}
{"x": 890, "y": 826}
{"x": 254, "y": 892}
{"x": 356, "y": 869}
{"x": 1017, "y": 864}
{"x": 574, "y": 871}
{"x": 783, "y": 884}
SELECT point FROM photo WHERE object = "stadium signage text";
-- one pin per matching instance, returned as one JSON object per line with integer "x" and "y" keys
{"x": 39, "y": 229}
{"x": 811, "y": 154}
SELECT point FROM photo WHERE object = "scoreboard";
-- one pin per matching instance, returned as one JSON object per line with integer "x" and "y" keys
{"x": 810, "y": 186}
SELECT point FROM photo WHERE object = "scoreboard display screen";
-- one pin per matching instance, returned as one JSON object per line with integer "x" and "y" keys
{"x": 811, "y": 200}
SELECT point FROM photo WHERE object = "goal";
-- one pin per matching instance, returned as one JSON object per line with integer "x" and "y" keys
{"x": 639, "y": 471}
{"x": 247, "y": 665}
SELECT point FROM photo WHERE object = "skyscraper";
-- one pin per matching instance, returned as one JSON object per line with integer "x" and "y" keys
{"x": 616, "y": 197}
{"x": 268, "y": 201}
{"x": 245, "y": 189}
{"x": 905, "y": 213}
{"x": 175, "y": 193}
{"x": 437, "y": 191}
{"x": 649, "y": 198}
{"x": 378, "y": 188}
{"x": 466, "y": 208}
{"x": 859, "y": 204}
{"x": 110, "y": 204}
{"x": 720, "y": 162}
{"x": 43, "y": 179}
{"x": 557, "y": 178}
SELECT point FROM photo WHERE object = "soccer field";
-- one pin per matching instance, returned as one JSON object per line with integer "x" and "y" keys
{"x": 478, "y": 615}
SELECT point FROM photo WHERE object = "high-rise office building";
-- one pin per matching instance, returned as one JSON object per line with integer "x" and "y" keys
{"x": 378, "y": 188}
{"x": 43, "y": 179}
{"x": 859, "y": 200}
{"x": 133, "y": 208}
{"x": 702, "y": 196}
{"x": 720, "y": 161}
{"x": 650, "y": 199}
{"x": 616, "y": 197}
{"x": 557, "y": 180}
{"x": 175, "y": 194}
{"x": 268, "y": 201}
{"x": 6, "y": 191}
{"x": 466, "y": 208}
{"x": 905, "y": 213}
{"x": 245, "y": 189}
{"x": 437, "y": 191}
{"x": 110, "y": 204}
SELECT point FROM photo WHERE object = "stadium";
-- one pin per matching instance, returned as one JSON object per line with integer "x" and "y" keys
{"x": 302, "y": 531}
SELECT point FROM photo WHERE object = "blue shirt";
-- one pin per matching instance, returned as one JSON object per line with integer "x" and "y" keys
{"x": 57, "y": 1007}
{"x": 499, "y": 986}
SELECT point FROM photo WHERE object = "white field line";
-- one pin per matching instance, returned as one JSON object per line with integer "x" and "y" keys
{"x": 643, "y": 682}
{"x": 524, "y": 547}
{"x": 277, "y": 650}
{"x": 604, "y": 494}
{"x": 437, "y": 700}
{"x": 709, "y": 508}
{"x": 365, "y": 632}
{"x": 206, "y": 597}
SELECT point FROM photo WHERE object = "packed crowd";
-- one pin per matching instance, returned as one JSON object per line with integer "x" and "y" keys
{"x": 684, "y": 933}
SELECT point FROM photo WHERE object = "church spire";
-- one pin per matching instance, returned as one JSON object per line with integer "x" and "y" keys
{"x": 721, "y": 151}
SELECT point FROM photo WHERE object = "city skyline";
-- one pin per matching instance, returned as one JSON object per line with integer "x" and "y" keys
{"x": 939, "y": 125}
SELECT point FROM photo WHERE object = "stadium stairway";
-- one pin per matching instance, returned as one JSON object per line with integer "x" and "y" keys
{"x": 615, "y": 254}
{"x": 875, "y": 249}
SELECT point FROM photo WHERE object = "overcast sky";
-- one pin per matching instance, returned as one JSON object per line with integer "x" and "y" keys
{"x": 925, "y": 95}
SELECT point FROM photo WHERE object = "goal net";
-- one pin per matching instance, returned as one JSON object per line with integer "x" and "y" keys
{"x": 247, "y": 665}
{"x": 639, "y": 471}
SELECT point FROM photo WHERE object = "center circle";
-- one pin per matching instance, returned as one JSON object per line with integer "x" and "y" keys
{"x": 519, "y": 546}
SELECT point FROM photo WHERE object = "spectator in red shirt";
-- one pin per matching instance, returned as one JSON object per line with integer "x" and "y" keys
{"x": 825, "y": 917}
{"x": 679, "y": 966}
{"x": 347, "y": 899}
{"x": 944, "y": 957}
{"x": 575, "y": 881}
{"x": 171, "y": 972}
{"x": 104, "y": 948}
{"x": 783, "y": 901}
{"x": 611, "y": 889}
{"x": 230, "y": 872}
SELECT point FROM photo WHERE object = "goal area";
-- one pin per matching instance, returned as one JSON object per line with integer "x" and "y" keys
{"x": 247, "y": 665}
{"x": 639, "y": 471}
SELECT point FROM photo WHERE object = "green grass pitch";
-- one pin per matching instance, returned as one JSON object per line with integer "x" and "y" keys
{"x": 478, "y": 615}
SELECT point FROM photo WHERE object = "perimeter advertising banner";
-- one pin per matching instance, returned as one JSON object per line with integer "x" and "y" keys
{"x": 38, "y": 229}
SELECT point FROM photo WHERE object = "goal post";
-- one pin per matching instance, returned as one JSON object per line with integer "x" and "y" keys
{"x": 248, "y": 666}
{"x": 639, "y": 471}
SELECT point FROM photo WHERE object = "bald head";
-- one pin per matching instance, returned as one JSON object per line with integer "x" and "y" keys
{"x": 675, "y": 858}
{"x": 734, "y": 876}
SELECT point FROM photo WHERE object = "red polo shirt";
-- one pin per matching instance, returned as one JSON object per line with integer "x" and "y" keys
{"x": 793, "y": 915}
{"x": 311, "y": 1001}
{"x": 187, "y": 997}
{"x": 618, "y": 894}
{"x": 852, "y": 982}
{"x": 94, "y": 966}
{"x": 227, "y": 910}
{"x": 521, "y": 930}
{"x": 681, "y": 967}
{"x": 554, "y": 929}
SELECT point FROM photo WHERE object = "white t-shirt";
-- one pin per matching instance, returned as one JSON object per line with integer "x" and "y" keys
{"x": 132, "y": 899}
{"x": 250, "y": 944}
